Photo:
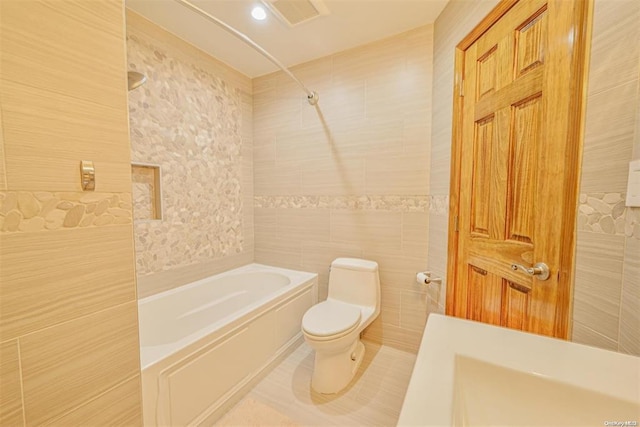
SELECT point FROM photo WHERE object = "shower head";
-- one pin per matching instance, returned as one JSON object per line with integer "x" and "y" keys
{"x": 135, "y": 79}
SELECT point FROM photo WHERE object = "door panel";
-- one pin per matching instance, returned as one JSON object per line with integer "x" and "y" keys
{"x": 516, "y": 303}
{"x": 512, "y": 203}
{"x": 481, "y": 174}
{"x": 530, "y": 42}
{"x": 485, "y": 295}
{"x": 525, "y": 123}
{"x": 487, "y": 72}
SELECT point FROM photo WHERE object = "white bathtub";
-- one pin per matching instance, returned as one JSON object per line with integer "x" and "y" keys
{"x": 202, "y": 344}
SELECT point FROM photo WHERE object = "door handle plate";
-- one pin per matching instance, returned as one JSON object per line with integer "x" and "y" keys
{"x": 540, "y": 270}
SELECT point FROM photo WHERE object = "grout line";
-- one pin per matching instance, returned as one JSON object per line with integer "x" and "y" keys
{"x": 364, "y": 107}
{"x": 4, "y": 185}
{"x": 52, "y": 90}
{"x": 24, "y": 409}
{"x": 593, "y": 331}
{"x": 402, "y": 229}
{"x": 615, "y": 86}
{"x": 86, "y": 402}
{"x": 624, "y": 251}
{"x": 84, "y": 316}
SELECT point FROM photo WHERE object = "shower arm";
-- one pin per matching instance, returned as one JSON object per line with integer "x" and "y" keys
{"x": 312, "y": 96}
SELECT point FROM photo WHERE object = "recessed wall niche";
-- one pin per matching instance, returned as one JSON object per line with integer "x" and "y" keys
{"x": 147, "y": 191}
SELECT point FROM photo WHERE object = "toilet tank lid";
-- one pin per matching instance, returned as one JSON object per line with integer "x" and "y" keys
{"x": 355, "y": 264}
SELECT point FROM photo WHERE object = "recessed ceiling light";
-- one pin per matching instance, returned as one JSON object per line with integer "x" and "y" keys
{"x": 259, "y": 13}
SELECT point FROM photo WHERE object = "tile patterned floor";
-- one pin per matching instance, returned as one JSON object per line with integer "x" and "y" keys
{"x": 373, "y": 398}
{"x": 252, "y": 413}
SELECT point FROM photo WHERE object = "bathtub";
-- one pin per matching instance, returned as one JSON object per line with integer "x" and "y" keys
{"x": 203, "y": 344}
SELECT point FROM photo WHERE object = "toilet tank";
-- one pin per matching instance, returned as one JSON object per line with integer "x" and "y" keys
{"x": 355, "y": 281}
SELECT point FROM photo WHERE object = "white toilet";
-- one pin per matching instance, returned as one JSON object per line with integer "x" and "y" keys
{"x": 332, "y": 328}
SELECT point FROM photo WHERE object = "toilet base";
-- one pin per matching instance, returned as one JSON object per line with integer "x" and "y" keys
{"x": 334, "y": 371}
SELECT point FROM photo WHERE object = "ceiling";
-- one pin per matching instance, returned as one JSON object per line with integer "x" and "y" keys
{"x": 349, "y": 23}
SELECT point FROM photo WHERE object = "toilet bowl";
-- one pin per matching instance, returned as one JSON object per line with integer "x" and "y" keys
{"x": 332, "y": 328}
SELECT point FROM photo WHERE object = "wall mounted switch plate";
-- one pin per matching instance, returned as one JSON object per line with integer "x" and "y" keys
{"x": 87, "y": 175}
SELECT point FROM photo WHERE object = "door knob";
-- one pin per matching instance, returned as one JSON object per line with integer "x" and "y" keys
{"x": 540, "y": 270}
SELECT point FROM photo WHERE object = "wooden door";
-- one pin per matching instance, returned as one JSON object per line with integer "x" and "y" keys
{"x": 517, "y": 143}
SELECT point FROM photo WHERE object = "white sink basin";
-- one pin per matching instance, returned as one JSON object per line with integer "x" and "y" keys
{"x": 473, "y": 374}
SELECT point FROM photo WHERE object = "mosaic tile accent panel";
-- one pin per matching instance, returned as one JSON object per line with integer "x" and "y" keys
{"x": 439, "y": 205}
{"x": 606, "y": 213}
{"x": 188, "y": 121}
{"x": 27, "y": 212}
{"x": 363, "y": 202}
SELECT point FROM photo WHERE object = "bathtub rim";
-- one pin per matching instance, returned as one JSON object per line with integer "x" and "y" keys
{"x": 151, "y": 356}
{"x": 248, "y": 267}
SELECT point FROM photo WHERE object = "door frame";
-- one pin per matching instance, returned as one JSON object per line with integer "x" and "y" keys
{"x": 582, "y": 17}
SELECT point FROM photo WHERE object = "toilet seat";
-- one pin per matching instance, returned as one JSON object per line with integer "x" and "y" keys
{"x": 330, "y": 320}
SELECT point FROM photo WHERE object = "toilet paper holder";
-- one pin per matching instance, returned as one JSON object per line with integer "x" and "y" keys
{"x": 425, "y": 277}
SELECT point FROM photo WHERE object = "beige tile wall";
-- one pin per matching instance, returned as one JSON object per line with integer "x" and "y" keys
{"x": 607, "y": 293}
{"x": 3, "y": 174}
{"x": 68, "y": 315}
{"x": 350, "y": 177}
{"x": 193, "y": 117}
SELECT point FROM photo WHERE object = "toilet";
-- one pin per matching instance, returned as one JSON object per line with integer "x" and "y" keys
{"x": 332, "y": 328}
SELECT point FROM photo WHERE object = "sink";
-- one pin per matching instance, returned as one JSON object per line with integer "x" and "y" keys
{"x": 473, "y": 374}
{"x": 485, "y": 394}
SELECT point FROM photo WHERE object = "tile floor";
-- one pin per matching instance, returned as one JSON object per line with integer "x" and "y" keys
{"x": 284, "y": 396}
